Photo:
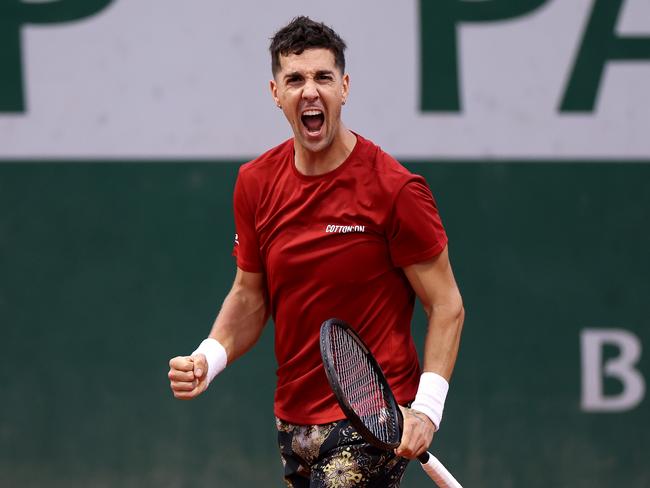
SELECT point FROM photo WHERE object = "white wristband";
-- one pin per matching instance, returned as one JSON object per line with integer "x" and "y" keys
{"x": 216, "y": 356}
{"x": 430, "y": 399}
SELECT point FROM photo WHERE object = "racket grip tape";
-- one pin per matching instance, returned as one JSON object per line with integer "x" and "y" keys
{"x": 437, "y": 472}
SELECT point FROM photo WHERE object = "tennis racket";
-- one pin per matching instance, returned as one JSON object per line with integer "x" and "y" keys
{"x": 366, "y": 399}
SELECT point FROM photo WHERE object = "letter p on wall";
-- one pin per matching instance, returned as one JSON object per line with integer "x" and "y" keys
{"x": 439, "y": 19}
{"x": 621, "y": 367}
{"x": 13, "y": 15}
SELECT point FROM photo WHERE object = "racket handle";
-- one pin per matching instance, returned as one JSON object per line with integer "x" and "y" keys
{"x": 437, "y": 472}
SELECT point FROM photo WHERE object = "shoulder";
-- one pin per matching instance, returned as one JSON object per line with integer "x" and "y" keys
{"x": 267, "y": 162}
{"x": 388, "y": 172}
{"x": 256, "y": 178}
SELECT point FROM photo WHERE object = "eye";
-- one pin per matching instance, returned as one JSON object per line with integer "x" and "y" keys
{"x": 325, "y": 77}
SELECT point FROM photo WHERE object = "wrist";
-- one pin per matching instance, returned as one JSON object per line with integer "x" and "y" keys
{"x": 215, "y": 355}
{"x": 431, "y": 395}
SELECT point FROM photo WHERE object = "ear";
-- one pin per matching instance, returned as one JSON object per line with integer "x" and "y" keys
{"x": 345, "y": 91}
{"x": 274, "y": 92}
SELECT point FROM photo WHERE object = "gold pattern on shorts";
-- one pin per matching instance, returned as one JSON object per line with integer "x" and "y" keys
{"x": 342, "y": 471}
{"x": 307, "y": 440}
{"x": 283, "y": 426}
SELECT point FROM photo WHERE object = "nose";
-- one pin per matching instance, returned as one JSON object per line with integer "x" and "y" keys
{"x": 310, "y": 90}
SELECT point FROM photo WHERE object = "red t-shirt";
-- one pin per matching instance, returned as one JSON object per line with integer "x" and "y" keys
{"x": 333, "y": 245}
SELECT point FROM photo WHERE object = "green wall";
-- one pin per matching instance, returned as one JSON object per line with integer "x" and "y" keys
{"x": 109, "y": 269}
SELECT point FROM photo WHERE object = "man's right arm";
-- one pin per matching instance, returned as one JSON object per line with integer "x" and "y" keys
{"x": 237, "y": 328}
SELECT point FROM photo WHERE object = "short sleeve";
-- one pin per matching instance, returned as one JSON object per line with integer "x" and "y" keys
{"x": 415, "y": 231}
{"x": 246, "y": 249}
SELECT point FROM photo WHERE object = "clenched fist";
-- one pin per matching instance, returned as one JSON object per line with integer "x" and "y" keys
{"x": 417, "y": 433}
{"x": 188, "y": 376}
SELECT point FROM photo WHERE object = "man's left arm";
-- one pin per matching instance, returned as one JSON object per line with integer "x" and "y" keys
{"x": 434, "y": 284}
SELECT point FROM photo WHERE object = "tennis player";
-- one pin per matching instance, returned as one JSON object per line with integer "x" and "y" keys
{"x": 329, "y": 225}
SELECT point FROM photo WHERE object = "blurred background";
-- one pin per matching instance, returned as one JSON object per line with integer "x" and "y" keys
{"x": 122, "y": 125}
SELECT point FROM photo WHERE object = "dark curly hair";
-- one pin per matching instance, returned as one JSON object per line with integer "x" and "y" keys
{"x": 303, "y": 33}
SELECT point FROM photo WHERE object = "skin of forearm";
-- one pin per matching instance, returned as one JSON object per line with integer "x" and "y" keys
{"x": 240, "y": 321}
{"x": 442, "y": 340}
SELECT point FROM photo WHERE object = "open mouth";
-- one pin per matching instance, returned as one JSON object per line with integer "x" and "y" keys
{"x": 313, "y": 120}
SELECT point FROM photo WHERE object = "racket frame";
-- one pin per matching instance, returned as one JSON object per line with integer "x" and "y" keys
{"x": 431, "y": 465}
{"x": 333, "y": 378}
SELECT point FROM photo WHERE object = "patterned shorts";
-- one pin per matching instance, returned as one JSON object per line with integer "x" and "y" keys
{"x": 335, "y": 456}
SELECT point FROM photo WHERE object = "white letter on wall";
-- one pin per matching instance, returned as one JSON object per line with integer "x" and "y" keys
{"x": 621, "y": 367}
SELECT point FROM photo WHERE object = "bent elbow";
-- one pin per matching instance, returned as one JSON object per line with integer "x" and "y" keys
{"x": 460, "y": 316}
{"x": 458, "y": 312}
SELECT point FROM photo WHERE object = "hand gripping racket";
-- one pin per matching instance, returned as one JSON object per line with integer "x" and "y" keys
{"x": 366, "y": 399}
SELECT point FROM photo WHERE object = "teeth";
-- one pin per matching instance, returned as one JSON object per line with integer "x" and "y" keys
{"x": 312, "y": 112}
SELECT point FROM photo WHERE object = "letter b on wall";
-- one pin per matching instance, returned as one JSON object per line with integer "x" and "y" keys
{"x": 621, "y": 368}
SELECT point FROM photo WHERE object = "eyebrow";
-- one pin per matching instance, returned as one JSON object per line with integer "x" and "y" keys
{"x": 292, "y": 74}
{"x": 321, "y": 72}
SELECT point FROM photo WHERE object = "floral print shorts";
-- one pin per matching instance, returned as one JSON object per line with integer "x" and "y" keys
{"x": 335, "y": 456}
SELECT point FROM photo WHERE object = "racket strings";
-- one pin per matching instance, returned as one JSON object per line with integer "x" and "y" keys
{"x": 362, "y": 386}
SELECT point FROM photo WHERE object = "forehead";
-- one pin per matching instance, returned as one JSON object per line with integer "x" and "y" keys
{"x": 310, "y": 60}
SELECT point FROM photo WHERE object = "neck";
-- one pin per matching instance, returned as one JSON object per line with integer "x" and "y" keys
{"x": 317, "y": 163}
